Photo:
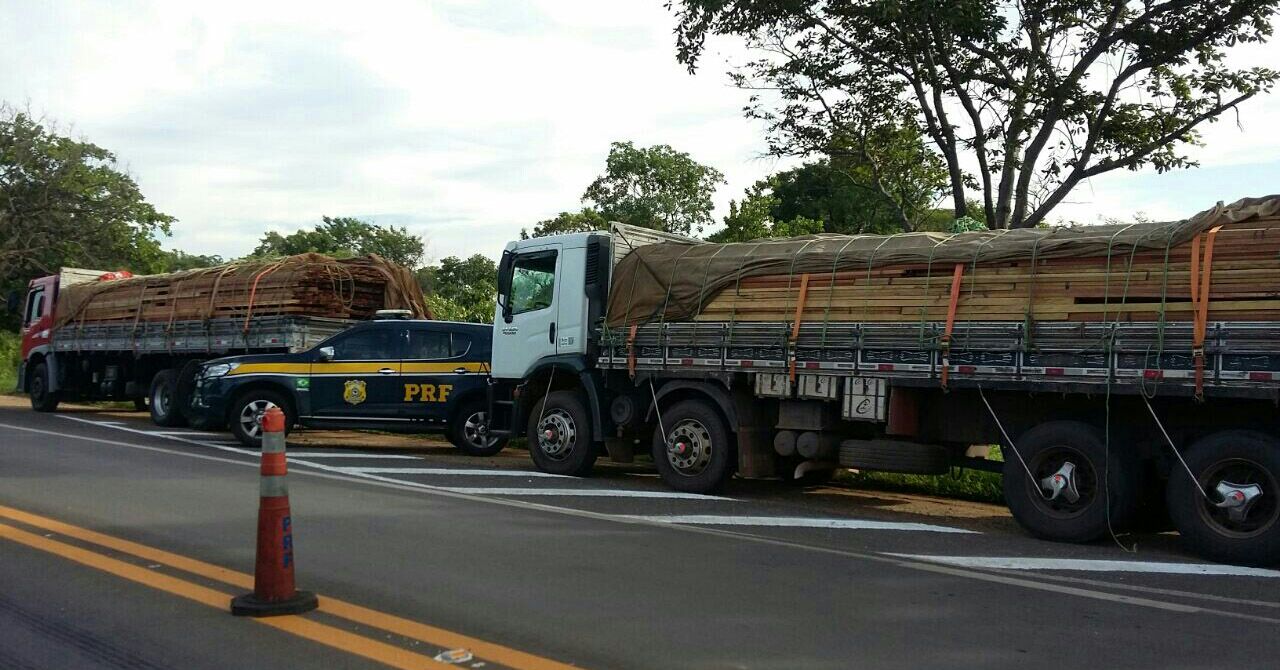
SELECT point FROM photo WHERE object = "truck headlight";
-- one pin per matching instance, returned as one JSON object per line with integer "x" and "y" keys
{"x": 218, "y": 370}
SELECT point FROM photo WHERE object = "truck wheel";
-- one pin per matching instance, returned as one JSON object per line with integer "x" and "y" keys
{"x": 560, "y": 435}
{"x": 696, "y": 454}
{"x": 1076, "y": 493}
{"x": 164, "y": 400}
{"x": 1240, "y": 523}
{"x": 247, "y": 411}
{"x": 42, "y": 399}
{"x": 469, "y": 431}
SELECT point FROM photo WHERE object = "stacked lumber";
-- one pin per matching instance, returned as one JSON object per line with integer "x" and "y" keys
{"x": 1131, "y": 284}
{"x": 304, "y": 285}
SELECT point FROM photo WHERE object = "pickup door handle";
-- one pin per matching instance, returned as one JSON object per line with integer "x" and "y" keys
{"x": 459, "y": 371}
{"x": 552, "y": 333}
{"x": 386, "y": 371}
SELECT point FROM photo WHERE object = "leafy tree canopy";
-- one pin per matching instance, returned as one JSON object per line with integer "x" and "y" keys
{"x": 461, "y": 290}
{"x": 174, "y": 261}
{"x": 67, "y": 202}
{"x": 1020, "y": 100}
{"x": 655, "y": 187}
{"x": 345, "y": 236}
{"x": 583, "y": 221}
{"x": 755, "y": 217}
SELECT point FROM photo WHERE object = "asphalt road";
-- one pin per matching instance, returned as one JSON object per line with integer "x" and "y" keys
{"x": 103, "y": 518}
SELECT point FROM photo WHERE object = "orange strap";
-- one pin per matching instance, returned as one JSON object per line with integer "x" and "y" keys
{"x": 631, "y": 350}
{"x": 1201, "y": 274}
{"x": 254, "y": 290}
{"x": 795, "y": 324}
{"x": 956, "y": 278}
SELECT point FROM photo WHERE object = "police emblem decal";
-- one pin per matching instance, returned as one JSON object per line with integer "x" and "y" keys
{"x": 354, "y": 391}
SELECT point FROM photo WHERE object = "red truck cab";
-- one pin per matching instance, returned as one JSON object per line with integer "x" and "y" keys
{"x": 37, "y": 316}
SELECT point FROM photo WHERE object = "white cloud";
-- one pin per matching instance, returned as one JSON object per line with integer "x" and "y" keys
{"x": 463, "y": 120}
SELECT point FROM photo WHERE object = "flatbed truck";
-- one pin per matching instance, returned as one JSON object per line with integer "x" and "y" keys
{"x": 1096, "y": 437}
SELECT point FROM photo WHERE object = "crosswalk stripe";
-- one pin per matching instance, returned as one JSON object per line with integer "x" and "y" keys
{"x": 601, "y": 493}
{"x": 1088, "y": 565}
{"x": 795, "y": 522}
{"x": 471, "y": 472}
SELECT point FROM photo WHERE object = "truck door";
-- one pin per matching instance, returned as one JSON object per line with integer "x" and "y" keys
{"x": 525, "y": 330}
{"x": 361, "y": 381}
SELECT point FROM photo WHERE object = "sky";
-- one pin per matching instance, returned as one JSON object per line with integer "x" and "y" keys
{"x": 464, "y": 121}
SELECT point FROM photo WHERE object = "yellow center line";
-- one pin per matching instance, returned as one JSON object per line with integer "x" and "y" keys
{"x": 393, "y": 624}
{"x": 311, "y": 630}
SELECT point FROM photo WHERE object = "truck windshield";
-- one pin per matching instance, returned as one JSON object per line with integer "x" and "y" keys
{"x": 533, "y": 282}
{"x": 35, "y": 306}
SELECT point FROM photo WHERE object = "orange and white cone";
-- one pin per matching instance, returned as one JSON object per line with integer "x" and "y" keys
{"x": 274, "y": 592}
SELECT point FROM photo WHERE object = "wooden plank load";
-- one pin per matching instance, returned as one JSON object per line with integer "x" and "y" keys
{"x": 303, "y": 285}
{"x": 1128, "y": 273}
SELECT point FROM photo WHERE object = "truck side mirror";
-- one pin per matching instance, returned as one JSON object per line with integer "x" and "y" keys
{"x": 326, "y": 354}
{"x": 504, "y": 284}
{"x": 14, "y": 301}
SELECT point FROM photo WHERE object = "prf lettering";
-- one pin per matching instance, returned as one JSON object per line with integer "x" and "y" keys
{"x": 427, "y": 392}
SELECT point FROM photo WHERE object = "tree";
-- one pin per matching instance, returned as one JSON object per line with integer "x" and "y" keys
{"x": 67, "y": 202}
{"x": 345, "y": 236}
{"x": 583, "y": 221}
{"x": 461, "y": 290}
{"x": 176, "y": 260}
{"x": 755, "y": 217}
{"x": 655, "y": 187}
{"x": 1035, "y": 95}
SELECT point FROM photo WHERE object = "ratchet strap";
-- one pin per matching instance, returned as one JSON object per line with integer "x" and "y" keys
{"x": 631, "y": 350}
{"x": 795, "y": 323}
{"x": 1201, "y": 274}
{"x": 956, "y": 278}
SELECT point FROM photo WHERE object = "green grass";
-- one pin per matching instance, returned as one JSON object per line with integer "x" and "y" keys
{"x": 10, "y": 346}
{"x": 974, "y": 485}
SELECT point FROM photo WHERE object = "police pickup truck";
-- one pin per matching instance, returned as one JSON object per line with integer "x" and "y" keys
{"x": 388, "y": 374}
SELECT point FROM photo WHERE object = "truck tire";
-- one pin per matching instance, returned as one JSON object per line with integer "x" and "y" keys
{"x": 1241, "y": 457}
{"x": 895, "y": 456}
{"x": 164, "y": 400}
{"x": 247, "y": 410}
{"x": 1105, "y": 490}
{"x": 560, "y": 435}
{"x": 697, "y": 453}
{"x": 42, "y": 399}
{"x": 469, "y": 430}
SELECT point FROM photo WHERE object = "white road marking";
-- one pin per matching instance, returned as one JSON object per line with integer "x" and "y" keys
{"x": 1083, "y": 565}
{"x": 182, "y": 433}
{"x": 469, "y": 472}
{"x": 601, "y": 493}
{"x": 346, "y": 454}
{"x": 795, "y": 522}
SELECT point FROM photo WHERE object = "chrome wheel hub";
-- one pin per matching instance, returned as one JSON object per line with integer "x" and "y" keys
{"x": 475, "y": 430}
{"x": 1062, "y": 483}
{"x": 251, "y": 416}
{"x": 689, "y": 447}
{"x": 557, "y": 434}
{"x": 1237, "y": 499}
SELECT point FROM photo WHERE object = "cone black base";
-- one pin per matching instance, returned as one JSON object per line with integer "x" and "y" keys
{"x": 249, "y": 605}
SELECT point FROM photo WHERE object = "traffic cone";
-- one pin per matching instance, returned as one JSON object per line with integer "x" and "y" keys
{"x": 273, "y": 588}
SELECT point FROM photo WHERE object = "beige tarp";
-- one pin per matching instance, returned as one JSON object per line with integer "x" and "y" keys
{"x": 673, "y": 281}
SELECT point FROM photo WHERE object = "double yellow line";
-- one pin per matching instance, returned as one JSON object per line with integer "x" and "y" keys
{"x": 315, "y": 631}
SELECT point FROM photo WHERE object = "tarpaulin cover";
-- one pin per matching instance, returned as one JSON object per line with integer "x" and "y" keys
{"x": 672, "y": 281}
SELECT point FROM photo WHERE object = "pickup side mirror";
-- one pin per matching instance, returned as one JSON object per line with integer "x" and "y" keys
{"x": 326, "y": 354}
{"x": 14, "y": 301}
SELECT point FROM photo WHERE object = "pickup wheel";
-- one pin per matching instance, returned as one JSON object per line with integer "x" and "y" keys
{"x": 696, "y": 454}
{"x": 469, "y": 430}
{"x": 1239, "y": 470}
{"x": 164, "y": 400}
{"x": 560, "y": 435}
{"x": 247, "y": 410}
{"x": 1077, "y": 491}
{"x": 42, "y": 399}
